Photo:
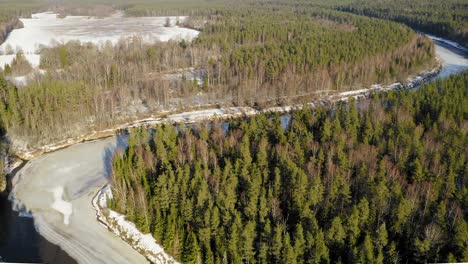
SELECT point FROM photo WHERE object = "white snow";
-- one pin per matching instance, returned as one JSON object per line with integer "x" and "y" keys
{"x": 354, "y": 92}
{"x": 33, "y": 59}
{"x": 46, "y": 29}
{"x": 282, "y": 109}
{"x": 194, "y": 116}
{"x": 6, "y": 59}
{"x": 62, "y": 206}
{"x": 20, "y": 80}
{"x": 123, "y": 228}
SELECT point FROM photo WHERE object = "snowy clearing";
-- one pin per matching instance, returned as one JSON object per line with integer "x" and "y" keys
{"x": 46, "y": 29}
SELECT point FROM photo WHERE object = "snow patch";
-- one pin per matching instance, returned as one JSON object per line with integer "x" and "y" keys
{"x": 32, "y": 58}
{"x": 20, "y": 81}
{"x": 62, "y": 206}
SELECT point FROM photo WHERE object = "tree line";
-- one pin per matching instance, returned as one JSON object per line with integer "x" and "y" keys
{"x": 11, "y": 10}
{"x": 377, "y": 181}
{"x": 447, "y": 19}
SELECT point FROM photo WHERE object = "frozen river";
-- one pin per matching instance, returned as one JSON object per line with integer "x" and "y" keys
{"x": 58, "y": 188}
{"x": 453, "y": 60}
{"x": 79, "y": 171}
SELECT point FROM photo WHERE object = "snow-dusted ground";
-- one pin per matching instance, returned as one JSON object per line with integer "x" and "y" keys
{"x": 46, "y": 29}
{"x": 82, "y": 169}
{"x": 195, "y": 116}
{"x": 11, "y": 163}
{"x": 61, "y": 205}
{"x": 33, "y": 59}
{"x": 20, "y": 81}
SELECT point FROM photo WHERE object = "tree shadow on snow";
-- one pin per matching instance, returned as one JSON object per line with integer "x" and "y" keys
{"x": 120, "y": 145}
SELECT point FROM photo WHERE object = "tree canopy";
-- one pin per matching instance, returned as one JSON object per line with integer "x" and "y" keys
{"x": 382, "y": 180}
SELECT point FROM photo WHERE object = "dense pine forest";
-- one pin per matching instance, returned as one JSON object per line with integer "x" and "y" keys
{"x": 378, "y": 181}
{"x": 448, "y": 19}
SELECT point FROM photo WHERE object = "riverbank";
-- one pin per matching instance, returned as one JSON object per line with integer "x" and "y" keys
{"x": 116, "y": 223}
{"x": 202, "y": 113}
{"x": 448, "y": 42}
{"x": 145, "y": 244}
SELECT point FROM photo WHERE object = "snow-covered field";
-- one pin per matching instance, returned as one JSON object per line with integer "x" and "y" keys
{"x": 46, "y": 29}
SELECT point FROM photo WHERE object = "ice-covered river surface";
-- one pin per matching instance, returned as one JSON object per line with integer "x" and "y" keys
{"x": 67, "y": 218}
{"x": 71, "y": 222}
{"x": 453, "y": 60}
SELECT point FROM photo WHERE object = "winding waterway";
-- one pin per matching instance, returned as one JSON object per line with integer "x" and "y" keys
{"x": 79, "y": 171}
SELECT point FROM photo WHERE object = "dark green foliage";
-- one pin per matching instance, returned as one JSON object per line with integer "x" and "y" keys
{"x": 313, "y": 193}
{"x": 448, "y": 19}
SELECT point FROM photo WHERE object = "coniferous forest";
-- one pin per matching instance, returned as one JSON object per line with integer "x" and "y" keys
{"x": 376, "y": 181}
{"x": 446, "y": 19}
